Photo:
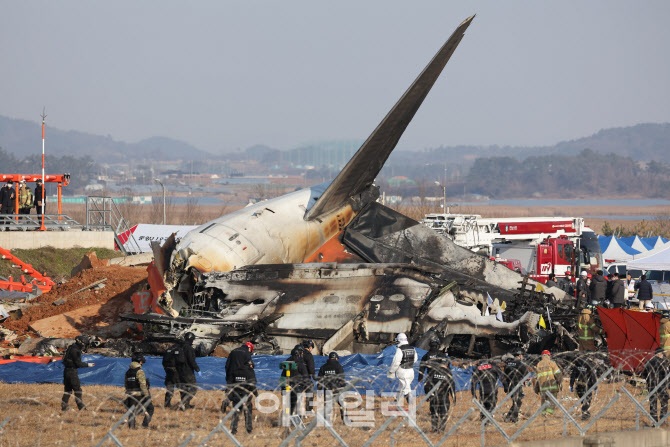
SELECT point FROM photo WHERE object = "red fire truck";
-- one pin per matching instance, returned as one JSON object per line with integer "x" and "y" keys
{"x": 539, "y": 245}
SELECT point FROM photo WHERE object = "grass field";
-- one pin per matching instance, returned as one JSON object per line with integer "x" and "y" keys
{"x": 36, "y": 419}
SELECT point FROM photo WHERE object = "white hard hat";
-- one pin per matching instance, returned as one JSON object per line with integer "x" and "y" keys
{"x": 583, "y": 273}
{"x": 401, "y": 337}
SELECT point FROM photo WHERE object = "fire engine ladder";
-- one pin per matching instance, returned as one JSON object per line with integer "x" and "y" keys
{"x": 103, "y": 214}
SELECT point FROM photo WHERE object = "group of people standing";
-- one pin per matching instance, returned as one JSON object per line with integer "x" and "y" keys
{"x": 598, "y": 290}
{"x": 27, "y": 200}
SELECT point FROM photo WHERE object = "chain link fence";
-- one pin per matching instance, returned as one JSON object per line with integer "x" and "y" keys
{"x": 615, "y": 399}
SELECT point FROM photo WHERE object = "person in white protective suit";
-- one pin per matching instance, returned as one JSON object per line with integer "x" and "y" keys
{"x": 402, "y": 367}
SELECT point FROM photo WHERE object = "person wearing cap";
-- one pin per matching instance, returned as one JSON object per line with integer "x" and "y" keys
{"x": 186, "y": 369}
{"x": 586, "y": 331}
{"x": 515, "y": 371}
{"x": 582, "y": 290}
{"x": 655, "y": 371}
{"x": 137, "y": 392}
{"x": 402, "y": 367}
{"x": 7, "y": 198}
{"x": 435, "y": 367}
{"x": 38, "y": 196}
{"x": 548, "y": 379}
{"x": 241, "y": 380}
{"x": 25, "y": 198}
{"x": 72, "y": 361}
{"x": 331, "y": 381}
{"x": 583, "y": 375}
{"x": 551, "y": 282}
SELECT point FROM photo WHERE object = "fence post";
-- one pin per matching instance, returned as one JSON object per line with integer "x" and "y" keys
{"x": 221, "y": 427}
{"x": 2, "y": 426}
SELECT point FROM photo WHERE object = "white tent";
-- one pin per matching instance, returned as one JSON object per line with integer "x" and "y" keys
{"x": 657, "y": 261}
{"x": 636, "y": 243}
{"x": 617, "y": 251}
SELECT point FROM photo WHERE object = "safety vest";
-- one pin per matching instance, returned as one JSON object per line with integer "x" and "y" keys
{"x": 407, "y": 361}
{"x": 664, "y": 333}
{"x": 586, "y": 328}
{"x": 131, "y": 382}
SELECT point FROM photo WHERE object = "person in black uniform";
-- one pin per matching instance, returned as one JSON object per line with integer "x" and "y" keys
{"x": 308, "y": 347}
{"x": 241, "y": 380}
{"x": 137, "y": 388}
{"x": 331, "y": 381}
{"x": 170, "y": 368}
{"x": 583, "y": 374}
{"x": 654, "y": 372}
{"x": 515, "y": 371}
{"x": 38, "y": 196}
{"x": 186, "y": 368}
{"x": 486, "y": 375}
{"x": 72, "y": 361}
{"x": 436, "y": 368}
{"x": 299, "y": 378}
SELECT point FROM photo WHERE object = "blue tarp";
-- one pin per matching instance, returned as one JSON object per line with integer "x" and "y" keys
{"x": 371, "y": 368}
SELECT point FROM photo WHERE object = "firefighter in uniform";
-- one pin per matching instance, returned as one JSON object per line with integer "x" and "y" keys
{"x": 170, "y": 367}
{"x": 586, "y": 330}
{"x": 583, "y": 375}
{"x": 331, "y": 382}
{"x": 436, "y": 368}
{"x": 72, "y": 361}
{"x": 664, "y": 334}
{"x": 486, "y": 375}
{"x": 137, "y": 388}
{"x": 402, "y": 367}
{"x": 515, "y": 371}
{"x": 548, "y": 377}
{"x": 186, "y": 368}
{"x": 241, "y": 380}
{"x": 654, "y": 372}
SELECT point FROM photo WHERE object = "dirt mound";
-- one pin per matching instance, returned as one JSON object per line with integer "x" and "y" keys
{"x": 120, "y": 285}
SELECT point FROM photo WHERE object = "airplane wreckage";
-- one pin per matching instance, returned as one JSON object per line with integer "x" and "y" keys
{"x": 331, "y": 264}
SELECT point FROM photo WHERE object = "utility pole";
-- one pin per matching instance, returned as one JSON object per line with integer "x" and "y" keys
{"x": 162, "y": 186}
{"x": 44, "y": 185}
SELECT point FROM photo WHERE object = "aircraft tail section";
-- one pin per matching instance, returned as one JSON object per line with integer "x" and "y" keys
{"x": 361, "y": 171}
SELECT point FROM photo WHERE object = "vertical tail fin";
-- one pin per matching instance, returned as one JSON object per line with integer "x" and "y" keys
{"x": 361, "y": 171}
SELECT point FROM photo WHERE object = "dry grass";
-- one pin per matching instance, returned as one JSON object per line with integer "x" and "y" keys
{"x": 36, "y": 419}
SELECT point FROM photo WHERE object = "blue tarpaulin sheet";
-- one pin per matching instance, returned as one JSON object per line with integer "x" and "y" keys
{"x": 371, "y": 368}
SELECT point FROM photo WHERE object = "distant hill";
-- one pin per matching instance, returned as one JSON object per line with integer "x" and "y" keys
{"x": 22, "y": 137}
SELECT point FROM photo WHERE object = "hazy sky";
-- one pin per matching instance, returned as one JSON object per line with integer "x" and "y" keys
{"x": 224, "y": 75}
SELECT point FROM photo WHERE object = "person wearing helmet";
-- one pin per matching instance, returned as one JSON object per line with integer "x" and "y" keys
{"x": 586, "y": 331}
{"x": 402, "y": 367}
{"x": 298, "y": 377}
{"x": 241, "y": 380}
{"x": 331, "y": 381}
{"x": 186, "y": 369}
{"x": 72, "y": 361}
{"x": 435, "y": 367}
{"x": 485, "y": 376}
{"x": 25, "y": 198}
{"x": 584, "y": 375}
{"x": 308, "y": 347}
{"x": 137, "y": 391}
{"x": 515, "y": 371}
{"x": 548, "y": 378}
